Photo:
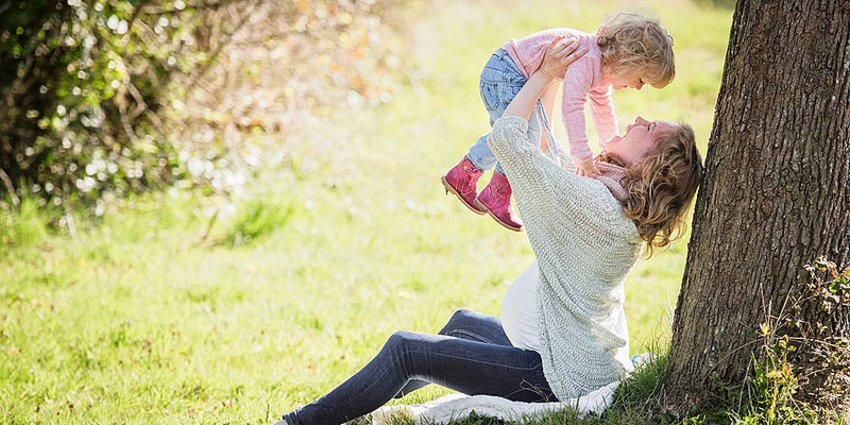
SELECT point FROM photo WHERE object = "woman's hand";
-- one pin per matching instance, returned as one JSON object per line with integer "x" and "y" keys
{"x": 561, "y": 52}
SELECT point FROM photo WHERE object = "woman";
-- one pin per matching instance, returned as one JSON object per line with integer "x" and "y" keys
{"x": 564, "y": 331}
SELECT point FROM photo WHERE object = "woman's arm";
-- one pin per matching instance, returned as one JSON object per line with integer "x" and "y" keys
{"x": 559, "y": 55}
{"x": 546, "y": 194}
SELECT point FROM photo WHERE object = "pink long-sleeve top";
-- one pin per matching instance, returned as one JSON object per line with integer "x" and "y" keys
{"x": 582, "y": 79}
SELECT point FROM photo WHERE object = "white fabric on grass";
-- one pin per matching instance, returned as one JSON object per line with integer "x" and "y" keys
{"x": 457, "y": 406}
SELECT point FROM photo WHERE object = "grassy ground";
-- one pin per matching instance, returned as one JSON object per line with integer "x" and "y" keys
{"x": 139, "y": 320}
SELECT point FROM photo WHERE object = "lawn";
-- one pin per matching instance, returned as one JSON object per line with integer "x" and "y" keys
{"x": 140, "y": 318}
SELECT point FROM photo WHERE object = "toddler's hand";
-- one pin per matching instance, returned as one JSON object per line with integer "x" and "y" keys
{"x": 587, "y": 169}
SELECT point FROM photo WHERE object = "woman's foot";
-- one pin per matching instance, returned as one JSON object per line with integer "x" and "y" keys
{"x": 283, "y": 422}
{"x": 462, "y": 181}
{"x": 496, "y": 200}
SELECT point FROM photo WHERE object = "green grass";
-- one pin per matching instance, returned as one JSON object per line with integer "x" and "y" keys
{"x": 140, "y": 319}
{"x": 256, "y": 219}
{"x": 26, "y": 227}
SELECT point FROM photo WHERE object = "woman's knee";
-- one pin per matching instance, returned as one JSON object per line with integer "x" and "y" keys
{"x": 459, "y": 320}
{"x": 400, "y": 341}
{"x": 464, "y": 315}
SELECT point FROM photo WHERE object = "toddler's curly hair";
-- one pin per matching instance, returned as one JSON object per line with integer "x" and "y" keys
{"x": 633, "y": 44}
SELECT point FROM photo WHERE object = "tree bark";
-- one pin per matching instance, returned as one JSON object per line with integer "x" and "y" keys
{"x": 776, "y": 190}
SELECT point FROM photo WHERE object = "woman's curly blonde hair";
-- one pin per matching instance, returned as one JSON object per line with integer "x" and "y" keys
{"x": 660, "y": 187}
{"x": 632, "y": 44}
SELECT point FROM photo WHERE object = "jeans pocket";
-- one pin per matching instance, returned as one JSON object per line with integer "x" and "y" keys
{"x": 540, "y": 382}
{"x": 511, "y": 73}
{"x": 508, "y": 93}
{"x": 490, "y": 96}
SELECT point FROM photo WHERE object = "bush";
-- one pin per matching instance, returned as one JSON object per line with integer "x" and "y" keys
{"x": 84, "y": 82}
{"x": 104, "y": 98}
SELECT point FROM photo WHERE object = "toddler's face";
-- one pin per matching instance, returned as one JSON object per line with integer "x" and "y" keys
{"x": 631, "y": 81}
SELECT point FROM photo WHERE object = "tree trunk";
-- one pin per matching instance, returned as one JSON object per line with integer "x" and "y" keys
{"x": 776, "y": 192}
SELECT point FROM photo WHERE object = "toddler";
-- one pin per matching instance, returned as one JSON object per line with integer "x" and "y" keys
{"x": 627, "y": 50}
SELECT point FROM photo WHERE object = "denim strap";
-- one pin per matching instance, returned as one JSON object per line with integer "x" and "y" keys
{"x": 553, "y": 145}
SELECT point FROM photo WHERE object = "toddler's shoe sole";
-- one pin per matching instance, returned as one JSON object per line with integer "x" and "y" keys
{"x": 490, "y": 213}
{"x": 450, "y": 189}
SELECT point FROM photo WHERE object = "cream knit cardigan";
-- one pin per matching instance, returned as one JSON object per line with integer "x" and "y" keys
{"x": 585, "y": 246}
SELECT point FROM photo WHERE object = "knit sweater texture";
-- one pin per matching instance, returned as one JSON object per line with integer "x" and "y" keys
{"x": 585, "y": 246}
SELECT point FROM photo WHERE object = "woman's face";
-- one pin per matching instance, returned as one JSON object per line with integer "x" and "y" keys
{"x": 639, "y": 140}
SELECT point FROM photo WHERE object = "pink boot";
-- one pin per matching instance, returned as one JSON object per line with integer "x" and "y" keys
{"x": 496, "y": 200}
{"x": 461, "y": 180}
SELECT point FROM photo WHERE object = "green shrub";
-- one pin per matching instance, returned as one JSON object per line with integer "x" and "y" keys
{"x": 106, "y": 98}
{"x": 83, "y": 83}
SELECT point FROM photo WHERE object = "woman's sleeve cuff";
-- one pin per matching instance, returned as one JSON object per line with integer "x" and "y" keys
{"x": 512, "y": 122}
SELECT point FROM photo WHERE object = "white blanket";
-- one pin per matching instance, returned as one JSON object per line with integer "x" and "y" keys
{"x": 456, "y": 406}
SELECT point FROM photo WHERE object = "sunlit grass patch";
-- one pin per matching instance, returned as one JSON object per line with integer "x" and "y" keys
{"x": 256, "y": 219}
{"x": 23, "y": 225}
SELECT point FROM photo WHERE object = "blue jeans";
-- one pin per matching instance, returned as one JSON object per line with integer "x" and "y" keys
{"x": 471, "y": 355}
{"x": 501, "y": 80}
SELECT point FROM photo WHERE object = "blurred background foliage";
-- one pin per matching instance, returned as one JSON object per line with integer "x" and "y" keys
{"x": 101, "y": 99}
